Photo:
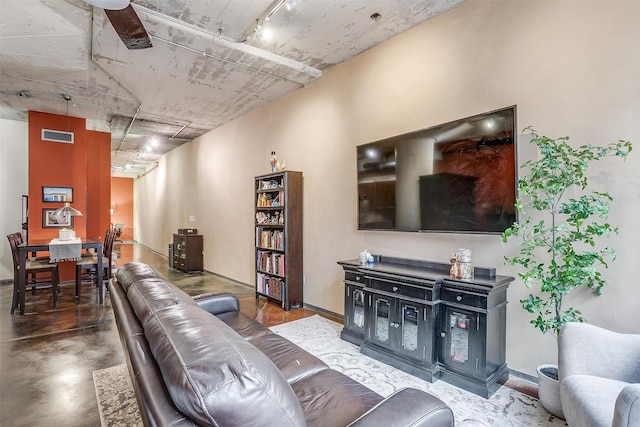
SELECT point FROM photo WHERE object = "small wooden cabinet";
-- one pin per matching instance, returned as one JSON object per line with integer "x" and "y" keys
{"x": 278, "y": 227}
{"x": 187, "y": 252}
{"x": 418, "y": 319}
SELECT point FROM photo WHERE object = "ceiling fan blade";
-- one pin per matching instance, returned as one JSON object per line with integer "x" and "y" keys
{"x": 109, "y": 4}
{"x": 129, "y": 27}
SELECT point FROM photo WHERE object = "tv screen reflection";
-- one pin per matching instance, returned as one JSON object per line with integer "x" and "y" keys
{"x": 455, "y": 177}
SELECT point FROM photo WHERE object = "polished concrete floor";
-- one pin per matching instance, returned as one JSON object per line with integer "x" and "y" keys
{"x": 47, "y": 356}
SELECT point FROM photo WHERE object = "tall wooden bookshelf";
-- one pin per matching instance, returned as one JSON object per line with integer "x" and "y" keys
{"x": 278, "y": 225}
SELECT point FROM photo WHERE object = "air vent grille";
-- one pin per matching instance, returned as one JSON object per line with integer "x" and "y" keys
{"x": 57, "y": 136}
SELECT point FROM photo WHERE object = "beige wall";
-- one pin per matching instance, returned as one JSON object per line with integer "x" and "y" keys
{"x": 14, "y": 182}
{"x": 572, "y": 68}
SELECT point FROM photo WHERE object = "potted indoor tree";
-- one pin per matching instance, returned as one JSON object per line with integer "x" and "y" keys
{"x": 561, "y": 223}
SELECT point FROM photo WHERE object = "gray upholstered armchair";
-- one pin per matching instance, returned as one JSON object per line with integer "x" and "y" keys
{"x": 599, "y": 376}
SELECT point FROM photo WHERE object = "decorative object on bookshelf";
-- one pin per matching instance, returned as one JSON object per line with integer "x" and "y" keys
{"x": 279, "y": 237}
{"x": 273, "y": 161}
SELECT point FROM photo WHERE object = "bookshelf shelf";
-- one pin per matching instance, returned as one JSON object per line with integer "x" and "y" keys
{"x": 278, "y": 237}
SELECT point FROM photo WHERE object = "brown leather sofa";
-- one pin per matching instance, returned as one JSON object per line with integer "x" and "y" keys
{"x": 199, "y": 361}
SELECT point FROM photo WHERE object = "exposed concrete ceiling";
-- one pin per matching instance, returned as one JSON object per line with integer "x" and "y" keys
{"x": 210, "y": 61}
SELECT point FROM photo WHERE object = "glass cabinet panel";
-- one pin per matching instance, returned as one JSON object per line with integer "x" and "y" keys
{"x": 459, "y": 333}
{"x": 358, "y": 308}
{"x": 381, "y": 319}
{"x": 410, "y": 315}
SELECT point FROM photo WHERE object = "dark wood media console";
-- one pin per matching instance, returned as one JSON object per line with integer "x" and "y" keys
{"x": 410, "y": 314}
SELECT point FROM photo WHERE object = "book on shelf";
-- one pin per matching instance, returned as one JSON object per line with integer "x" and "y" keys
{"x": 269, "y": 285}
{"x": 270, "y": 262}
{"x": 270, "y": 239}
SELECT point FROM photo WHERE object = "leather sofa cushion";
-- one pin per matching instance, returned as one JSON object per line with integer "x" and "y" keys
{"x": 244, "y": 325}
{"x": 152, "y": 294}
{"x": 212, "y": 373}
{"x": 294, "y": 362}
{"x": 132, "y": 272}
{"x": 330, "y": 398}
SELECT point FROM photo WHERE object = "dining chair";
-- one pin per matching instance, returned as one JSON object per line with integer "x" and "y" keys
{"x": 118, "y": 229}
{"x": 86, "y": 268}
{"x": 19, "y": 241}
{"x": 39, "y": 272}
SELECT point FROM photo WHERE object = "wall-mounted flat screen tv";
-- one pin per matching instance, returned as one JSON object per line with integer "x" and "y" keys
{"x": 456, "y": 177}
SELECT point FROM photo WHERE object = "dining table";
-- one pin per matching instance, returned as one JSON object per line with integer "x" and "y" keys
{"x": 42, "y": 245}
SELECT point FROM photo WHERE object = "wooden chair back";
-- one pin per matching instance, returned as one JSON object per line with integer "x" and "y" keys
{"x": 14, "y": 241}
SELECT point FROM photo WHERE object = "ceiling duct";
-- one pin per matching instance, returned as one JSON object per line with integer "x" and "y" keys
{"x": 298, "y": 67}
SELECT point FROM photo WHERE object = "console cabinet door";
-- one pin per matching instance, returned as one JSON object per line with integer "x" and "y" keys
{"x": 412, "y": 330}
{"x": 354, "y": 314}
{"x": 399, "y": 325}
{"x": 381, "y": 322}
{"x": 461, "y": 346}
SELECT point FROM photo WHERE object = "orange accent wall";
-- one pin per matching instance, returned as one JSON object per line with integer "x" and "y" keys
{"x": 84, "y": 166}
{"x": 58, "y": 165}
{"x": 122, "y": 205}
{"x": 98, "y": 172}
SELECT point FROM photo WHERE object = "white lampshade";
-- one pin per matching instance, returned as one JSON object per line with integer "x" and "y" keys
{"x": 67, "y": 210}
{"x": 109, "y": 4}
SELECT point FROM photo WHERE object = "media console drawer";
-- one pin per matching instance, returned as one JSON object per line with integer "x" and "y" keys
{"x": 354, "y": 277}
{"x": 463, "y": 298}
{"x": 402, "y": 290}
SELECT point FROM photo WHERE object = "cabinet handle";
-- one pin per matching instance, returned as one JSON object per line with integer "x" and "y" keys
{"x": 395, "y": 289}
{"x": 458, "y": 298}
{"x": 442, "y": 334}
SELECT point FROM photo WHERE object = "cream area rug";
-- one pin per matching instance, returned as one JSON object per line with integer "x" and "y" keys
{"x": 321, "y": 337}
{"x": 506, "y": 408}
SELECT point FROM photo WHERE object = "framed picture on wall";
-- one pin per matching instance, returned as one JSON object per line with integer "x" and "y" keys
{"x": 53, "y": 221}
{"x": 57, "y": 194}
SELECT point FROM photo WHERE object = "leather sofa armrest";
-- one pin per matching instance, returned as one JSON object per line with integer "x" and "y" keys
{"x": 218, "y": 303}
{"x": 627, "y": 410}
{"x": 407, "y": 407}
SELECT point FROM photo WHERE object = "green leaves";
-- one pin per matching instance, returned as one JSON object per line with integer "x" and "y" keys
{"x": 560, "y": 253}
